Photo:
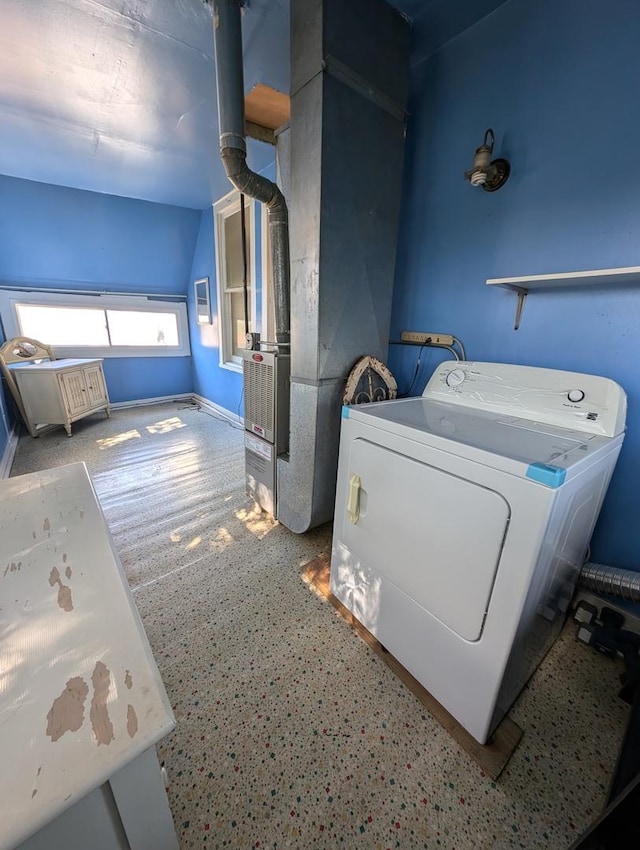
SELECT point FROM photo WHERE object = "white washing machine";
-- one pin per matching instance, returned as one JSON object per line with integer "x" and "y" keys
{"x": 462, "y": 519}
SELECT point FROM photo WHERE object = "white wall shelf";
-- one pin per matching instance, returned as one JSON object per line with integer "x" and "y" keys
{"x": 564, "y": 280}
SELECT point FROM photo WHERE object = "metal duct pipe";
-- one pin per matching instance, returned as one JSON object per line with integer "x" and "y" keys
{"x": 611, "y": 580}
{"x": 227, "y": 36}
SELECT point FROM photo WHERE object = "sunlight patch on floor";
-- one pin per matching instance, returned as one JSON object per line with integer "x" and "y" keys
{"x": 117, "y": 439}
{"x": 222, "y": 539}
{"x": 256, "y": 521}
{"x": 166, "y": 425}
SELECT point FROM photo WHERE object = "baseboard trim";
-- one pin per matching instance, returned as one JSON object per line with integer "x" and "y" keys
{"x": 9, "y": 453}
{"x": 144, "y": 402}
{"x": 214, "y": 409}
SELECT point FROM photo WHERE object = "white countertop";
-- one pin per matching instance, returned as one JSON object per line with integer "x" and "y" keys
{"x": 80, "y": 693}
{"x": 55, "y": 365}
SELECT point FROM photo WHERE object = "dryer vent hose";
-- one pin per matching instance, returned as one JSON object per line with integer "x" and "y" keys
{"x": 622, "y": 583}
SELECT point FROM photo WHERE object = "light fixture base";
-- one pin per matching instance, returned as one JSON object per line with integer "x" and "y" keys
{"x": 498, "y": 175}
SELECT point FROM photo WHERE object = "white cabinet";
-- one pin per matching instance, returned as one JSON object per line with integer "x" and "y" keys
{"x": 60, "y": 392}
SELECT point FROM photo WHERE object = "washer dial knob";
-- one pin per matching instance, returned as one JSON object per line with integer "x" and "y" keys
{"x": 455, "y": 377}
{"x": 575, "y": 395}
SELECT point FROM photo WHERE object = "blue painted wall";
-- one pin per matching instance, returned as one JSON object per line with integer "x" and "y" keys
{"x": 558, "y": 83}
{"x": 435, "y": 22}
{"x": 52, "y": 236}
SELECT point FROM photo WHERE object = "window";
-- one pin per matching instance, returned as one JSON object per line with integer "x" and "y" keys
{"x": 97, "y": 325}
{"x": 137, "y": 327}
{"x": 62, "y": 325}
{"x": 228, "y": 242}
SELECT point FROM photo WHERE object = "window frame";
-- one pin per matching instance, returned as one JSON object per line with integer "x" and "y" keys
{"x": 10, "y": 299}
{"x": 222, "y": 209}
{"x": 268, "y": 329}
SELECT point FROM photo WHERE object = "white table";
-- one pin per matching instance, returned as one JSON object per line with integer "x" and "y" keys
{"x": 82, "y": 703}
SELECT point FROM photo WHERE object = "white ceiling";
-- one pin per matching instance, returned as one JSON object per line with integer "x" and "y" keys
{"x": 118, "y": 96}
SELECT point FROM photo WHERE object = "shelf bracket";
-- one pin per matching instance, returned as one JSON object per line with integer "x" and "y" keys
{"x": 522, "y": 295}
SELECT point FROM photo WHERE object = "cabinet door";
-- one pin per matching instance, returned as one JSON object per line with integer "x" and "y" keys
{"x": 96, "y": 390}
{"x": 74, "y": 391}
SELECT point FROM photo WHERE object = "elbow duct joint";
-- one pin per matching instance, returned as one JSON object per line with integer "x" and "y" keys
{"x": 250, "y": 183}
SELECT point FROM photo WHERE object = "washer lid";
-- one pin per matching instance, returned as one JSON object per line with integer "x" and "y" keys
{"x": 538, "y": 451}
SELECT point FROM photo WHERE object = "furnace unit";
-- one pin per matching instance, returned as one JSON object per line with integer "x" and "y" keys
{"x": 266, "y": 422}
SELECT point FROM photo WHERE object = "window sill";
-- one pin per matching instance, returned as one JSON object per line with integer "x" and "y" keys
{"x": 232, "y": 367}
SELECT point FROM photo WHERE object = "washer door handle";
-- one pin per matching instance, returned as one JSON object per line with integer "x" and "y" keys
{"x": 353, "y": 498}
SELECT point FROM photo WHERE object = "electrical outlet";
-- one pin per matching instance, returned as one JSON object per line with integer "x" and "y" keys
{"x": 426, "y": 338}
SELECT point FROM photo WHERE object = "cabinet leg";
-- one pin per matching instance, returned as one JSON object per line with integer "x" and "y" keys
{"x": 67, "y": 428}
{"x": 108, "y": 412}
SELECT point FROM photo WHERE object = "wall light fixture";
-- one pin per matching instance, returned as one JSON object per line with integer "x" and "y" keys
{"x": 489, "y": 173}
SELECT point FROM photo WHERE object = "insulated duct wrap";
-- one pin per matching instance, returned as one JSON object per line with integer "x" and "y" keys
{"x": 611, "y": 580}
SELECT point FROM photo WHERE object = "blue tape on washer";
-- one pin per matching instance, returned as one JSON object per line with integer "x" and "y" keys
{"x": 551, "y": 476}
{"x": 345, "y": 411}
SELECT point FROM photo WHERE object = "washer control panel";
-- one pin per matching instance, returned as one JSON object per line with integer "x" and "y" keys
{"x": 566, "y": 399}
{"x": 455, "y": 377}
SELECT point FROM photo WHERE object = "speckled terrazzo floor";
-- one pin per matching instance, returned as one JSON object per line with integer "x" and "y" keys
{"x": 291, "y": 733}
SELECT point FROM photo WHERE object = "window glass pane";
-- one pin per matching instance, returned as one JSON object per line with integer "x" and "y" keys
{"x": 233, "y": 248}
{"x": 63, "y": 325}
{"x": 236, "y": 310}
{"x": 135, "y": 327}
